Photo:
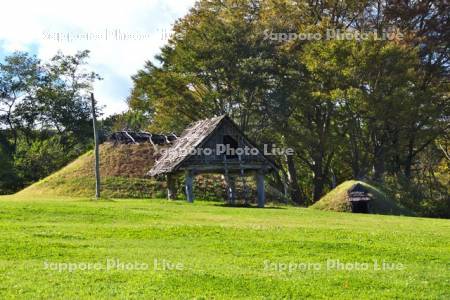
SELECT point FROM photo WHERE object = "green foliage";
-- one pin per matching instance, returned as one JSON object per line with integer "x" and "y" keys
{"x": 39, "y": 159}
{"x": 350, "y": 109}
{"x": 130, "y": 120}
{"x": 44, "y": 115}
{"x": 63, "y": 94}
{"x": 8, "y": 177}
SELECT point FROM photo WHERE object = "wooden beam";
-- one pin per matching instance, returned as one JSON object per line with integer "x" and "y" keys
{"x": 231, "y": 189}
{"x": 171, "y": 190}
{"x": 232, "y": 168}
{"x": 260, "y": 189}
{"x": 189, "y": 186}
{"x": 96, "y": 149}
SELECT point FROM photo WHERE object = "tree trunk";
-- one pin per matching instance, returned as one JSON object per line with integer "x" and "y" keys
{"x": 294, "y": 188}
{"x": 319, "y": 184}
{"x": 14, "y": 133}
{"x": 171, "y": 188}
{"x": 379, "y": 167}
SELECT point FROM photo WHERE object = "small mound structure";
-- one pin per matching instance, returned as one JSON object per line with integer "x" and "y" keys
{"x": 337, "y": 200}
{"x": 122, "y": 168}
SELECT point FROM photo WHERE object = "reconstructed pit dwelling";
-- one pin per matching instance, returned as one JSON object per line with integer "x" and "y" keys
{"x": 201, "y": 150}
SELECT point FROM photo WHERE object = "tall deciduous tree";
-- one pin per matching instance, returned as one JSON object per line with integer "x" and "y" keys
{"x": 361, "y": 109}
{"x": 43, "y": 109}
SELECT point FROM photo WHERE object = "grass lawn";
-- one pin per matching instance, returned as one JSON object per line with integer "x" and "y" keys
{"x": 170, "y": 250}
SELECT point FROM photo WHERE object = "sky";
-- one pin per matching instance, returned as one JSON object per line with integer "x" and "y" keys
{"x": 43, "y": 27}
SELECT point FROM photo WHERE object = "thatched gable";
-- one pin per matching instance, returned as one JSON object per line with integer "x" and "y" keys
{"x": 195, "y": 136}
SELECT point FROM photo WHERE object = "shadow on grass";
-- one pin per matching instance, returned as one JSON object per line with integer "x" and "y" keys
{"x": 99, "y": 200}
{"x": 247, "y": 206}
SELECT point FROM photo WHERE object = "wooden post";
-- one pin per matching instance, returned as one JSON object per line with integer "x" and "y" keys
{"x": 171, "y": 191}
{"x": 189, "y": 186}
{"x": 260, "y": 188}
{"x": 96, "y": 149}
{"x": 231, "y": 189}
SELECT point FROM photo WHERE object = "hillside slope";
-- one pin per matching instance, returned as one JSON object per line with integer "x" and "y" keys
{"x": 336, "y": 200}
{"x": 122, "y": 169}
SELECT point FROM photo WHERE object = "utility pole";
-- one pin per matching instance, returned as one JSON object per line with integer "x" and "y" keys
{"x": 96, "y": 150}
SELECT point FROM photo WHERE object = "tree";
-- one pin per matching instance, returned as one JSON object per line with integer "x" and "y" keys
{"x": 350, "y": 109}
{"x": 19, "y": 76}
{"x": 42, "y": 105}
{"x": 63, "y": 93}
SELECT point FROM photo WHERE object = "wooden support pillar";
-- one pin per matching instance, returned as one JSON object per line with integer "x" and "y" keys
{"x": 189, "y": 186}
{"x": 231, "y": 189}
{"x": 171, "y": 190}
{"x": 260, "y": 188}
{"x": 96, "y": 150}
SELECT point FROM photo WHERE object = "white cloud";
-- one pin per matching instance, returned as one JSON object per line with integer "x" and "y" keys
{"x": 27, "y": 25}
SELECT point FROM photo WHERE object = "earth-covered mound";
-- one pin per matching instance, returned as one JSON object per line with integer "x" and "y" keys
{"x": 122, "y": 168}
{"x": 337, "y": 200}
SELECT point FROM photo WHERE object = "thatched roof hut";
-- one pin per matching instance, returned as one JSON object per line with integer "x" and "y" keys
{"x": 215, "y": 145}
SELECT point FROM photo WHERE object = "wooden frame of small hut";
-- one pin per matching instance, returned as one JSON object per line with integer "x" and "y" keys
{"x": 359, "y": 198}
{"x": 189, "y": 154}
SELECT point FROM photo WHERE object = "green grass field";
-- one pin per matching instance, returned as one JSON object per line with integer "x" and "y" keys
{"x": 209, "y": 251}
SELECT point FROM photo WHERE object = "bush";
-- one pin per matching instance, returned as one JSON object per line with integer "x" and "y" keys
{"x": 8, "y": 177}
{"x": 40, "y": 158}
